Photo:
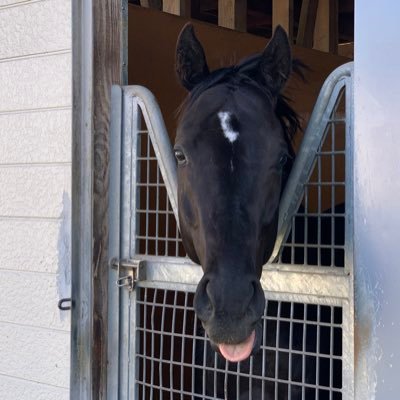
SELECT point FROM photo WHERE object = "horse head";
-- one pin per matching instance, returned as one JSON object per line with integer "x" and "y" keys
{"x": 233, "y": 152}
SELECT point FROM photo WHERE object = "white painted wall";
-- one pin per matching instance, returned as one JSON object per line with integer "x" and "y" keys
{"x": 377, "y": 197}
{"x": 35, "y": 193}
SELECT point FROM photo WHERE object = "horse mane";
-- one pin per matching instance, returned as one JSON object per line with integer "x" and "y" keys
{"x": 245, "y": 71}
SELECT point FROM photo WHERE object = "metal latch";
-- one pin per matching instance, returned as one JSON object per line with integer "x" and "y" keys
{"x": 134, "y": 272}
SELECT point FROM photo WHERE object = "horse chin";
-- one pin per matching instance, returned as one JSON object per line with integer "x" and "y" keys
{"x": 240, "y": 351}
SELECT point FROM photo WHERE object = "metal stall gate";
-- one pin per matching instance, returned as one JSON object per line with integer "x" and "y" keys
{"x": 157, "y": 349}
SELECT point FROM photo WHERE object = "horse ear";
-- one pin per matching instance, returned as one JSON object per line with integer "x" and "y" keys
{"x": 190, "y": 61}
{"x": 276, "y": 61}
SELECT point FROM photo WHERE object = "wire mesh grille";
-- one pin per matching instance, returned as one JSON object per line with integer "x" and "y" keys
{"x": 317, "y": 235}
{"x": 317, "y": 232}
{"x": 157, "y": 232}
{"x": 300, "y": 356}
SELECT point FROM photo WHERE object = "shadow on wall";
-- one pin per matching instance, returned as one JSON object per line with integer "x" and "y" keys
{"x": 64, "y": 253}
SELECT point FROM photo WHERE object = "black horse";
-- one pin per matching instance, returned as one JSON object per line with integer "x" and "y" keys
{"x": 234, "y": 154}
{"x": 233, "y": 148}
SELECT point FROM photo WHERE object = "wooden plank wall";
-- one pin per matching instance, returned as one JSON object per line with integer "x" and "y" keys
{"x": 107, "y": 70}
{"x": 326, "y": 34}
{"x": 233, "y": 14}
{"x": 305, "y": 32}
{"x": 282, "y": 14}
{"x": 318, "y": 24}
{"x": 177, "y": 7}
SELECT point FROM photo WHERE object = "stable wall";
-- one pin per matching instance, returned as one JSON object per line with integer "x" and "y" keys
{"x": 35, "y": 180}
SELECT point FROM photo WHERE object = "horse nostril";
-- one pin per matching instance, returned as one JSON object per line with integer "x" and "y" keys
{"x": 202, "y": 300}
{"x": 257, "y": 302}
{"x": 253, "y": 288}
{"x": 208, "y": 291}
{"x": 251, "y": 297}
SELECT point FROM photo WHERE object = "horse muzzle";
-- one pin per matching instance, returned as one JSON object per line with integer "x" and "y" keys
{"x": 240, "y": 351}
{"x": 231, "y": 312}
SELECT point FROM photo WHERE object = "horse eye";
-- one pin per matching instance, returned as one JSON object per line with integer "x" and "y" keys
{"x": 180, "y": 157}
{"x": 283, "y": 160}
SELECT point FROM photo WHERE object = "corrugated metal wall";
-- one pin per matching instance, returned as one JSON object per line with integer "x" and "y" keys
{"x": 35, "y": 180}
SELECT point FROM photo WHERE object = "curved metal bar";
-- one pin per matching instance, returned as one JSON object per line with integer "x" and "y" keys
{"x": 304, "y": 161}
{"x": 159, "y": 138}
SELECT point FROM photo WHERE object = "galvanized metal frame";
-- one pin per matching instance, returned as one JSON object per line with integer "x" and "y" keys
{"x": 339, "y": 79}
{"x": 296, "y": 283}
{"x": 113, "y": 383}
{"x": 82, "y": 197}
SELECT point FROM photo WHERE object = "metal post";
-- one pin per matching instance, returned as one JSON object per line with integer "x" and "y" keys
{"x": 82, "y": 197}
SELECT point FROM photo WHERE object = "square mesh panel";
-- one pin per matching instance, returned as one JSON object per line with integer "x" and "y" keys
{"x": 156, "y": 231}
{"x": 300, "y": 358}
{"x": 317, "y": 235}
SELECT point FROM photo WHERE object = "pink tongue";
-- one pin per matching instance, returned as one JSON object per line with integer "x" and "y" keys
{"x": 238, "y": 352}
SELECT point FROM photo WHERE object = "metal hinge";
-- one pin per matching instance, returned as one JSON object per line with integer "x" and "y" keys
{"x": 133, "y": 269}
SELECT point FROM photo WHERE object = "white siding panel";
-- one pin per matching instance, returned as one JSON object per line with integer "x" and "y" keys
{"x": 36, "y": 191}
{"x": 18, "y": 389}
{"x": 35, "y": 180}
{"x": 31, "y": 297}
{"x": 42, "y": 137}
{"x": 35, "y": 28}
{"x": 15, "y": 2}
{"x": 42, "y": 82}
{"x": 22, "y": 246}
{"x": 35, "y": 354}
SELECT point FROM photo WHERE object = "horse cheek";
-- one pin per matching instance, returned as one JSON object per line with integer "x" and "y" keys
{"x": 188, "y": 224}
{"x": 269, "y": 225}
